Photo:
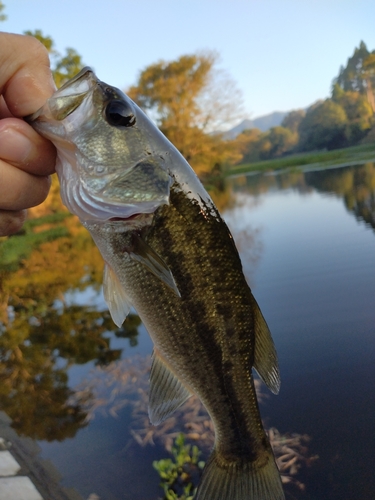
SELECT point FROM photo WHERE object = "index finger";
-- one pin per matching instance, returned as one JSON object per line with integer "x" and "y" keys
{"x": 25, "y": 78}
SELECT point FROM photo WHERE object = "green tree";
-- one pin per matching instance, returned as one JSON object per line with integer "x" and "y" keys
{"x": 358, "y": 111}
{"x": 64, "y": 66}
{"x": 183, "y": 98}
{"x": 276, "y": 142}
{"x": 3, "y": 16}
{"x": 351, "y": 76}
{"x": 368, "y": 69}
{"x": 249, "y": 141}
{"x": 293, "y": 120}
{"x": 324, "y": 127}
{"x": 359, "y": 74}
{"x": 257, "y": 146}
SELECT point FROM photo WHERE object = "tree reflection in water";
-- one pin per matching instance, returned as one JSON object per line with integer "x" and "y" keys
{"x": 42, "y": 336}
{"x": 355, "y": 185}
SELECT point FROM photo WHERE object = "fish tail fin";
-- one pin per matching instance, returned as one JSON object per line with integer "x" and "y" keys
{"x": 222, "y": 480}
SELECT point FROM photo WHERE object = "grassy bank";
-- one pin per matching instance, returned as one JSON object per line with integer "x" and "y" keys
{"x": 34, "y": 232}
{"x": 316, "y": 159}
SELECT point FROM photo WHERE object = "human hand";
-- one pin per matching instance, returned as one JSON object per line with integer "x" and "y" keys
{"x": 26, "y": 159}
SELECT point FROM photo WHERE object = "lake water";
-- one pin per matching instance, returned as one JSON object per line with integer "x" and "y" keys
{"x": 308, "y": 250}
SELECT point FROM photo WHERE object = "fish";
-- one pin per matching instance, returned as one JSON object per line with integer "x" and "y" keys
{"x": 169, "y": 254}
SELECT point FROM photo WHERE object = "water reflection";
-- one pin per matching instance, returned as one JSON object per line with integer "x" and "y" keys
{"x": 36, "y": 352}
{"x": 107, "y": 390}
{"x": 49, "y": 327}
{"x": 42, "y": 336}
{"x": 355, "y": 185}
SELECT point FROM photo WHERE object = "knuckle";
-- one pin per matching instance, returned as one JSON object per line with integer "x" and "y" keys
{"x": 39, "y": 50}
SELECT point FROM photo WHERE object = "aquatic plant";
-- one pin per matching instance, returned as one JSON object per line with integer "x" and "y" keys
{"x": 109, "y": 389}
{"x": 177, "y": 473}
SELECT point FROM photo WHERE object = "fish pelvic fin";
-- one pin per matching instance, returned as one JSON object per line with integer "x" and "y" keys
{"x": 239, "y": 480}
{"x": 144, "y": 254}
{"x": 167, "y": 393}
{"x": 115, "y": 296}
{"x": 265, "y": 357}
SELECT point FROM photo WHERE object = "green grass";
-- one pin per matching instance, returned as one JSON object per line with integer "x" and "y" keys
{"x": 316, "y": 159}
{"x": 19, "y": 246}
{"x": 46, "y": 219}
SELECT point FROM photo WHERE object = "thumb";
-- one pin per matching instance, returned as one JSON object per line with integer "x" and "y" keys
{"x": 25, "y": 76}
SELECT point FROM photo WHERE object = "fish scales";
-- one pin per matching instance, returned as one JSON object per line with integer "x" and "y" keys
{"x": 169, "y": 254}
{"x": 215, "y": 308}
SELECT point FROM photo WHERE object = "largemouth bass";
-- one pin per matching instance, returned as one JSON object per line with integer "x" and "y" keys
{"x": 169, "y": 254}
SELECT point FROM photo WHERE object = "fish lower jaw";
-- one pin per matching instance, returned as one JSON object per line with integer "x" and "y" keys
{"x": 93, "y": 209}
{"x": 134, "y": 222}
{"x": 126, "y": 219}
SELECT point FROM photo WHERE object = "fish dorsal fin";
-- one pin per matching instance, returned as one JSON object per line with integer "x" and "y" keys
{"x": 265, "y": 358}
{"x": 166, "y": 391}
{"x": 144, "y": 254}
{"x": 115, "y": 296}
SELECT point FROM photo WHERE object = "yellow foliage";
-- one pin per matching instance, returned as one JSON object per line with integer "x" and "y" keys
{"x": 188, "y": 103}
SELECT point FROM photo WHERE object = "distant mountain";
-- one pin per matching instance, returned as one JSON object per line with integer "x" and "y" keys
{"x": 263, "y": 123}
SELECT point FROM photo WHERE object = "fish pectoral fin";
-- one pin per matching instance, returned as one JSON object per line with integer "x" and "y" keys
{"x": 144, "y": 254}
{"x": 167, "y": 393}
{"x": 265, "y": 357}
{"x": 115, "y": 296}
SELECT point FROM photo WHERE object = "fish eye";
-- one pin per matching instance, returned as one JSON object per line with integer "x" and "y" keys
{"x": 120, "y": 114}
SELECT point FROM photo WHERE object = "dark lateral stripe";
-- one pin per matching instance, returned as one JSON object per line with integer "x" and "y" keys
{"x": 186, "y": 238}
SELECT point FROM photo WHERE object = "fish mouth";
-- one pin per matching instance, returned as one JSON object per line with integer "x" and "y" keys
{"x": 66, "y": 99}
{"x": 130, "y": 218}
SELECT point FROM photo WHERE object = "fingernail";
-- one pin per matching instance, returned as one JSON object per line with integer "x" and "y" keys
{"x": 15, "y": 147}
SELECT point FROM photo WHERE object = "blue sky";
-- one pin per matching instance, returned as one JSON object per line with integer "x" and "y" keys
{"x": 283, "y": 54}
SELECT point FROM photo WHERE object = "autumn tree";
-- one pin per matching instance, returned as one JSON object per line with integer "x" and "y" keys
{"x": 190, "y": 99}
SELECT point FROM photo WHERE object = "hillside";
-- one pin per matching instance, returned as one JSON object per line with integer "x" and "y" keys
{"x": 263, "y": 123}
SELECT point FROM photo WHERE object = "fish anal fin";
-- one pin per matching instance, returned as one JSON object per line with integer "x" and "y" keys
{"x": 238, "y": 480}
{"x": 143, "y": 253}
{"x": 115, "y": 296}
{"x": 167, "y": 393}
{"x": 265, "y": 357}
